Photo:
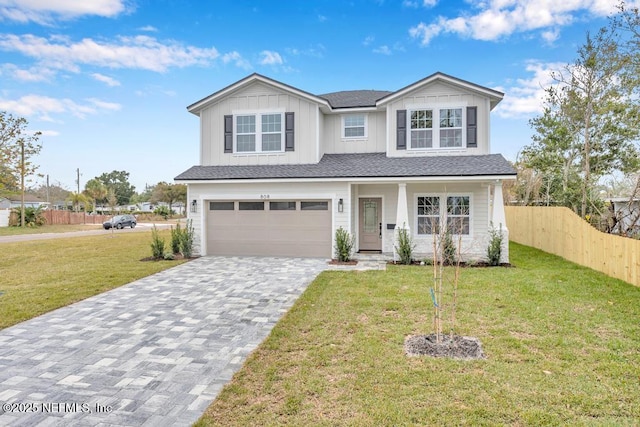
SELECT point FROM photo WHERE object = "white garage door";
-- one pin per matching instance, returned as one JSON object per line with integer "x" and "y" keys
{"x": 299, "y": 228}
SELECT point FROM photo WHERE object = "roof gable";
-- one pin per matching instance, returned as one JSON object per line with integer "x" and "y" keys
{"x": 494, "y": 95}
{"x": 196, "y": 107}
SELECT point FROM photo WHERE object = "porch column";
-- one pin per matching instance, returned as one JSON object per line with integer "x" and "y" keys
{"x": 402, "y": 212}
{"x": 498, "y": 218}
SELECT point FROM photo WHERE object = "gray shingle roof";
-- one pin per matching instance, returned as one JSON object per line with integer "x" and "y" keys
{"x": 354, "y": 98}
{"x": 364, "y": 165}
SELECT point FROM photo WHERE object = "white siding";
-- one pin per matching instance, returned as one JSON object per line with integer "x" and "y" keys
{"x": 259, "y": 97}
{"x": 374, "y": 142}
{"x": 474, "y": 246}
{"x": 275, "y": 191}
{"x": 437, "y": 94}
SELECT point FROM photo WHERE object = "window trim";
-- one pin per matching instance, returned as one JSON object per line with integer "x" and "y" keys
{"x": 344, "y": 127}
{"x": 435, "y": 126}
{"x": 258, "y": 114}
{"x": 443, "y": 212}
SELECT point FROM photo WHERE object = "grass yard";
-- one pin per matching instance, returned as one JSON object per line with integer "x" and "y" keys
{"x": 562, "y": 341}
{"x": 12, "y": 231}
{"x": 40, "y": 276}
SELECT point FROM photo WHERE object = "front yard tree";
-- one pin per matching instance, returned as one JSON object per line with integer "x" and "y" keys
{"x": 118, "y": 181}
{"x": 591, "y": 119}
{"x": 169, "y": 193}
{"x": 17, "y": 147}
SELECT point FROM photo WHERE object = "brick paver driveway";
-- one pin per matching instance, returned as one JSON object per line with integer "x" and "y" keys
{"x": 154, "y": 352}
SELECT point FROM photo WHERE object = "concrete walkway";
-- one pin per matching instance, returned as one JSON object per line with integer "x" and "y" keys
{"x": 155, "y": 352}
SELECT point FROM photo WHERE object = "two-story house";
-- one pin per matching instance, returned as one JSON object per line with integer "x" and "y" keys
{"x": 282, "y": 169}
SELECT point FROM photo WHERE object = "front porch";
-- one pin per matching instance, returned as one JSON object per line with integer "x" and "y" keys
{"x": 380, "y": 209}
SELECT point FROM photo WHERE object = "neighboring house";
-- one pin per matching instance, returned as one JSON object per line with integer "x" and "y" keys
{"x": 29, "y": 202}
{"x": 624, "y": 215}
{"x": 281, "y": 169}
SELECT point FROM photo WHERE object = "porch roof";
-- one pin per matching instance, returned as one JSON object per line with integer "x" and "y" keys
{"x": 361, "y": 165}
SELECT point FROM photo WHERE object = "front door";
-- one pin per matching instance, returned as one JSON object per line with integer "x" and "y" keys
{"x": 370, "y": 218}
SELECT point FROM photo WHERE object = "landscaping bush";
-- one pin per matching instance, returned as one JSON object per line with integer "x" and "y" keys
{"x": 344, "y": 245}
{"x": 494, "y": 250}
{"x": 448, "y": 249}
{"x": 157, "y": 244}
{"x": 405, "y": 246}
{"x": 186, "y": 240}
{"x": 176, "y": 238}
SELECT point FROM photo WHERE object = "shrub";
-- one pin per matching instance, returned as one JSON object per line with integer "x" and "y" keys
{"x": 405, "y": 246}
{"x": 157, "y": 244}
{"x": 186, "y": 240}
{"x": 163, "y": 211}
{"x": 33, "y": 217}
{"x": 344, "y": 245}
{"x": 448, "y": 249}
{"x": 176, "y": 237}
{"x": 494, "y": 250}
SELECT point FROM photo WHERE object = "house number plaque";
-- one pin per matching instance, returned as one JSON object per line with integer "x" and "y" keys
{"x": 264, "y": 196}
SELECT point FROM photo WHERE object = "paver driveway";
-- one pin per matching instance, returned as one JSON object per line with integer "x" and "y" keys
{"x": 154, "y": 352}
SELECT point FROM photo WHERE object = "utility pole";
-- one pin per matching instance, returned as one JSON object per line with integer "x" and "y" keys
{"x": 78, "y": 180}
{"x": 22, "y": 173}
{"x": 48, "y": 204}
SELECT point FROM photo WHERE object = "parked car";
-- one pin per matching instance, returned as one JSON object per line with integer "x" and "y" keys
{"x": 120, "y": 221}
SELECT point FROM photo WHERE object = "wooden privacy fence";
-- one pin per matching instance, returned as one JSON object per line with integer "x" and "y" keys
{"x": 68, "y": 217}
{"x": 560, "y": 231}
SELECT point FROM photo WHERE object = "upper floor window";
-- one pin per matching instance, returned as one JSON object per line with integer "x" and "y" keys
{"x": 354, "y": 126}
{"x": 436, "y": 128}
{"x": 258, "y": 133}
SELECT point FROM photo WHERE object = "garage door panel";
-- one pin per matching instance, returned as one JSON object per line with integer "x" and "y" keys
{"x": 304, "y": 233}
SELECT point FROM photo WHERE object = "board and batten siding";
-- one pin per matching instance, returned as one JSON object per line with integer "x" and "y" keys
{"x": 274, "y": 191}
{"x": 437, "y": 95}
{"x": 259, "y": 97}
{"x": 473, "y": 246}
{"x": 375, "y": 141}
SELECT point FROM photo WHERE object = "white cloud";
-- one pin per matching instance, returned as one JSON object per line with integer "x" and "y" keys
{"x": 429, "y": 3}
{"x": 109, "y": 81}
{"x": 322, "y": 18}
{"x": 44, "y": 106}
{"x": 494, "y": 19}
{"x": 32, "y": 74}
{"x": 138, "y": 52}
{"x": 550, "y": 36}
{"x": 414, "y": 4}
{"x": 524, "y": 97}
{"x": 270, "y": 58}
{"x": 316, "y": 51}
{"x": 46, "y": 11}
{"x": 149, "y": 28}
{"x": 237, "y": 59}
{"x": 50, "y": 133}
{"x": 368, "y": 40}
{"x": 384, "y": 50}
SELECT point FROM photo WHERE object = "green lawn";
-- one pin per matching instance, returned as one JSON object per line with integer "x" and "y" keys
{"x": 12, "y": 231}
{"x": 40, "y": 276}
{"x": 562, "y": 345}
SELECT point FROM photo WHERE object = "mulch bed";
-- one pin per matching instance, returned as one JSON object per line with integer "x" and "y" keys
{"x": 458, "y": 347}
{"x": 479, "y": 264}
{"x": 175, "y": 256}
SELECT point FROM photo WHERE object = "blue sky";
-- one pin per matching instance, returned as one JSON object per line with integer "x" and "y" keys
{"x": 108, "y": 81}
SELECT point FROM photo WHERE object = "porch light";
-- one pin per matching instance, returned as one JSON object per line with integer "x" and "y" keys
{"x": 194, "y": 206}
{"x": 340, "y": 205}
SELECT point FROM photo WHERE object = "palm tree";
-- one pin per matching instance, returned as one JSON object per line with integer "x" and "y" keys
{"x": 76, "y": 199}
{"x": 95, "y": 190}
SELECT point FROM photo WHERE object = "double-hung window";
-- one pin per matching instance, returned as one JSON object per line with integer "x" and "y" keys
{"x": 259, "y": 133}
{"x": 435, "y": 128}
{"x": 354, "y": 126}
{"x": 435, "y": 211}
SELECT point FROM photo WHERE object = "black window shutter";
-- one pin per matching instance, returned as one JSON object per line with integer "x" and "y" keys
{"x": 472, "y": 127}
{"x": 401, "y": 129}
{"x": 289, "y": 132}
{"x": 228, "y": 134}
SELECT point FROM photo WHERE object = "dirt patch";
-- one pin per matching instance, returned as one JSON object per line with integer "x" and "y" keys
{"x": 462, "y": 348}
